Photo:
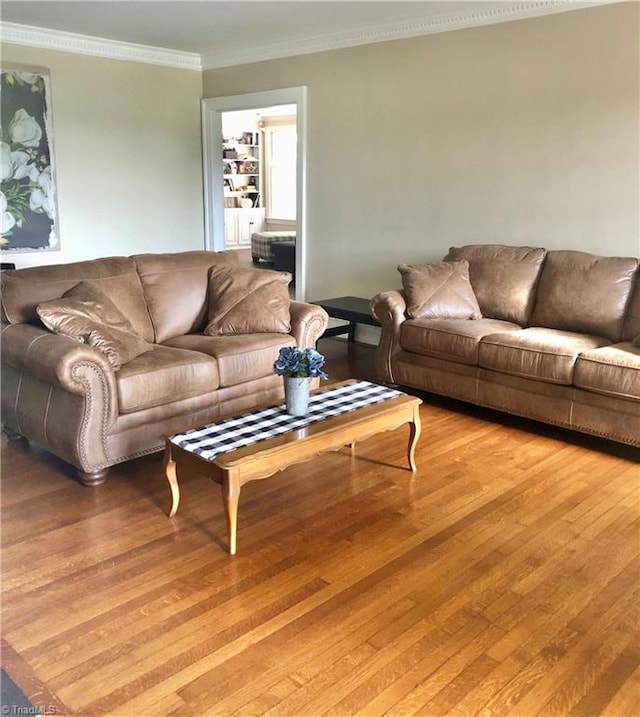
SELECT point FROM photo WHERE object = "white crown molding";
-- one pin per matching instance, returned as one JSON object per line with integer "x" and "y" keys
{"x": 393, "y": 31}
{"x": 98, "y": 46}
{"x": 116, "y": 50}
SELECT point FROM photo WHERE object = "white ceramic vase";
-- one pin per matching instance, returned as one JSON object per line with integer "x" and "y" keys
{"x": 296, "y": 394}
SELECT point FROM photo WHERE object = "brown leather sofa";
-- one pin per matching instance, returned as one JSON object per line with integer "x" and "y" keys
{"x": 558, "y": 341}
{"x": 66, "y": 396}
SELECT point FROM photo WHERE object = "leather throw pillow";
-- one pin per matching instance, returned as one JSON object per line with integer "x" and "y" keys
{"x": 247, "y": 301}
{"x": 85, "y": 313}
{"x": 440, "y": 290}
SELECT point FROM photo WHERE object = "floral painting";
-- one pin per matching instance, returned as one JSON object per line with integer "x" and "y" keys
{"x": 28, "y": 210}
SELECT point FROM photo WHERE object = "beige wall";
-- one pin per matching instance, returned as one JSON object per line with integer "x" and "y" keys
{"x": 524, "y": 132}
{"x": 127, "y": 144}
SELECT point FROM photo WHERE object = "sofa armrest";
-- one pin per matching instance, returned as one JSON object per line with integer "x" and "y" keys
{"x": 59, "y": 393}
{"x": 308, "y": 322}
{"x": 54, "y": 359}
{"x": 389, "y": 308}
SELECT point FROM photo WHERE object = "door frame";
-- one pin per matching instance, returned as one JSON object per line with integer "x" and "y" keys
{"x": 212, "y": 109}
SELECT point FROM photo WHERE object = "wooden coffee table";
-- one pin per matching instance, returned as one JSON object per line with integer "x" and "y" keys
{"x": 212, "y": 450}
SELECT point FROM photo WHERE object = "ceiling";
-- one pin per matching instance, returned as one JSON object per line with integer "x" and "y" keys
{"x": 228, "y": 32}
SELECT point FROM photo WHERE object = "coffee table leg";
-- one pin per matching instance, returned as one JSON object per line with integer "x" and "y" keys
{"x": 415, "y": 430}
{"x": 230, "y": 498}
{"x": 172, "y": 476}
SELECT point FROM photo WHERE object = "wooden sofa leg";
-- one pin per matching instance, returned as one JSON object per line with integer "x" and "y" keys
{"x": 93, "y": 478}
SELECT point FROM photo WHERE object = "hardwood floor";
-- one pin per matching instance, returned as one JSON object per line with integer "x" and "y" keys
{"x": 501, "y": 579}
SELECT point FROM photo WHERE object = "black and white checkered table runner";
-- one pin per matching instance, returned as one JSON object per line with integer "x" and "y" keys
{"x": 230, "y": 434}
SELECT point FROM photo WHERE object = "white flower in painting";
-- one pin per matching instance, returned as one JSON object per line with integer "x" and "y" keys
{"x": 27, "y": 77}
{"x": 33, "y": 173}
{"x": 21, "y": 167}
{"x": 41, "y": 198}
{"x": 37, "y": 199}
{"x": 6, "y": 168}
{"x": 45, "y": 180}
{"x": 25, "y": 130}
{"x": 15, "y": 165}
{"x": 7, "y": 220}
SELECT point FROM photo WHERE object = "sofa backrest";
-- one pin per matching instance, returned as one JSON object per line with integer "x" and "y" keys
{"x": 24, "y": 289}
{"x": 631, "y": 327}
{"x": 503, "y": 278}
{"x": 584, "y": 293}
{"x": 176, "y": 289}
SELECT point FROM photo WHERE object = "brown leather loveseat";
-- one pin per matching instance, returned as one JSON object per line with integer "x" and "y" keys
{"x": 548, "y": 335}
{"x": 69, "y": 397}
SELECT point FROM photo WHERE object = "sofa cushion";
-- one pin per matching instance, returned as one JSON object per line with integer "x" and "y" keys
{"x": 241, "y": 357}
{"x": 439, "y": 290}
{"x": 175, "y": 287}
{"x": 86, "y": 314}
{"x": 247, "y": 301}
{"x": 536, "y": 353}
{"x": 24, "y": 289}
{"x": 584, "y": 293}
{"x": 504, "y": 278}
{"x": 613, "y": 370}
{"x": 450, "y": 339}
{"x": 165, "y": 375}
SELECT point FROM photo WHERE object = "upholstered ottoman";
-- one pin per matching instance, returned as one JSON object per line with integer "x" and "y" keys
{"x": 262, "y": 243}
{"x": 284, "y": 257}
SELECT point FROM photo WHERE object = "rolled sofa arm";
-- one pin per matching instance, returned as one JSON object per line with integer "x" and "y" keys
{"x": 308, "y": 322}
{"x": 59, "y": 393}
{"x": 52, "y": 358}
{"x": 389, "y": 308}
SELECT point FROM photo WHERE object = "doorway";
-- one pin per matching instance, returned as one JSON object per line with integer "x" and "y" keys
{"x": 213, "y": 110}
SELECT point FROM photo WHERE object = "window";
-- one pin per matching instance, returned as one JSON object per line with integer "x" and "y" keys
{"x": 280, "y": 174}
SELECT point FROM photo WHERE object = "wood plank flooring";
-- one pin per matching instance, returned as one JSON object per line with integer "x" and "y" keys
{"x": 501, "y": 580}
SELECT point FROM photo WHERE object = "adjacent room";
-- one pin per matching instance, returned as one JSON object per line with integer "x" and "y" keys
{"x": 259, "y": 185}
{"x": 320, "y": 358}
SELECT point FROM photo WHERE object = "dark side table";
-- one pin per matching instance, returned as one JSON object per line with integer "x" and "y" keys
{"x": 353, "y": 309}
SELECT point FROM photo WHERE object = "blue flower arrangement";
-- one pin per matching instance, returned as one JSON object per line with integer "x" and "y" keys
{"x": 299, "y": 363}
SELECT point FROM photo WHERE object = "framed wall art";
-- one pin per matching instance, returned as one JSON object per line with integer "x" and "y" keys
{"x": 28, "y": 201}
